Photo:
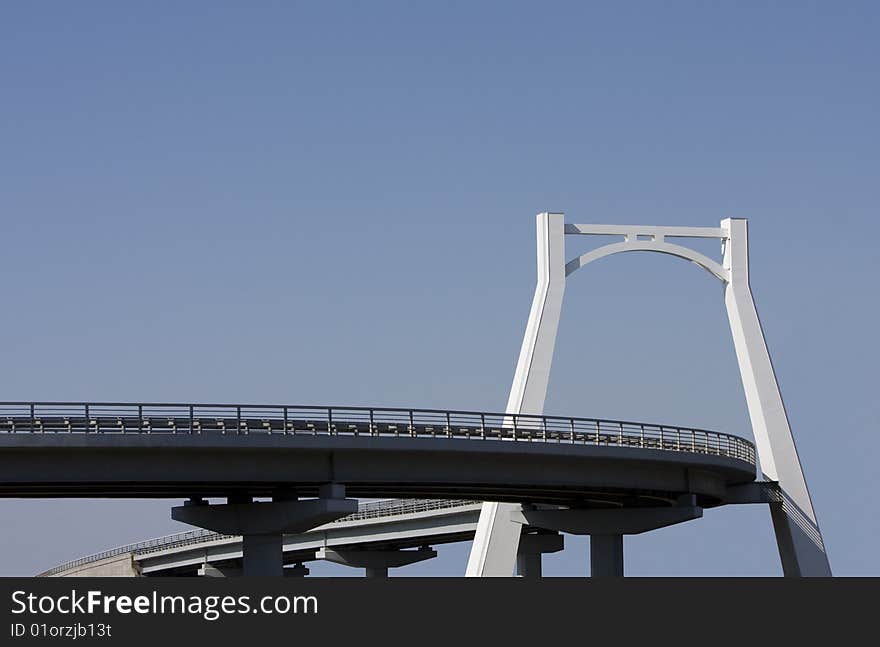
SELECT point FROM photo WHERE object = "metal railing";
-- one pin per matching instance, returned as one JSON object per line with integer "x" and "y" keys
{"x": 239, "y": 419}
{"x": 366, "y": 511}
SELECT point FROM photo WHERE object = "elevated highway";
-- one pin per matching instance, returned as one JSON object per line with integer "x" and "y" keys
{"x": 605, "y": 478}
{"x": 183, "y": 450}
{"x": 381, "y": 525}
{"x": 288, "y": 473}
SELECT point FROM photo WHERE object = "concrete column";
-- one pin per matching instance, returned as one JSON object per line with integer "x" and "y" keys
{"x": 528, "y": 565}
{"x": 262, "y": 555}
{"x": 606, "y": 555}
{"x": 262, "y": 524}
{"x": 377, "y": 571}
{"x": 532, "y": 546}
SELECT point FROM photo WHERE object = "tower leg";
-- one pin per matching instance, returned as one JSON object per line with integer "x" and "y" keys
{"x": 495, "y": 544}
{"x": 798, "y": 537}
{"x": 496, "y": 540}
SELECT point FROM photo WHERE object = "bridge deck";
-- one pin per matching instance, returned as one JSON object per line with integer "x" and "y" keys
{"x": 390, "y": 524}
{"x": 165, "y": 450}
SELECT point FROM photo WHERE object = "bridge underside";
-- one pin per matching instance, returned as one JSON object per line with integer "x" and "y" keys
{"x": 206, "y": 465}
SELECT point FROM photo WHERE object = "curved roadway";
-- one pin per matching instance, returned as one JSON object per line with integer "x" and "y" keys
{"x": 381, "y": 524}
{"x": 187, "y": 450}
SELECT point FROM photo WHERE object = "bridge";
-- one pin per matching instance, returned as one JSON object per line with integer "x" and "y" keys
{"x": 286, "y": 470}
{"x": 381, "y": 531}
{"x": 309, "y": 460}
{"x": 210, "y": 450}
{"x": 381, "y": 535}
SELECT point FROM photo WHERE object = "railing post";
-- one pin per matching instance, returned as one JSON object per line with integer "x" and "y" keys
{"x": 514, "y": 426}
{"x": 238, "y": 420}
{"x": 371, "y": 422}
{"x": 33, "y": 419}
{"x": 140, "y": 418}
{"x": 544, "y": 421}
{"x": 620, "y": 435}
{"x": 285, "y": 420}
{"x": 448, "y": 425}
{"x": 571, "y": 425}
{"x": 412, "y": 425}
{"x": 597, "y": 434}
{"x": 192, "y": 425}
{"x": 329, "y": 421}
{"x": 88, "y": 418}
{"x": 642, "y": 445}
{"x": 661, "y": 437}
{"x": 483, "y": 426}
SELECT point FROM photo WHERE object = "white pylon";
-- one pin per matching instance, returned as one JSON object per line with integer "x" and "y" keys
{"x": 798, "y": 537}
{"x": 497, "y": 537}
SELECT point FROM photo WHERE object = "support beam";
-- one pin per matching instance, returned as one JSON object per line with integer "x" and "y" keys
{"x": 621, "y": 521}
{"x": 607, "y": 527}
{"x": 257, "y": 518}
{"x": 262, "y": 524}
{"x": 798, "y": 537}
{"x": 606, "y": 555}
{"x": 632, "y": 231}
{"x": 757, "y": 492}
{"x": 494, "y": 550}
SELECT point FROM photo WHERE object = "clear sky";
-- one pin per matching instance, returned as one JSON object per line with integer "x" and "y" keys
{"x": 334, "y": 203}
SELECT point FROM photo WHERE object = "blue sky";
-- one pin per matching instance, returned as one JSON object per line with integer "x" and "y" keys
{"x": 334, "y": 203}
